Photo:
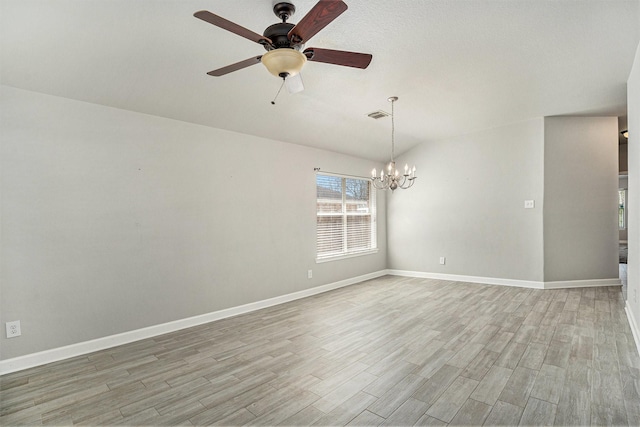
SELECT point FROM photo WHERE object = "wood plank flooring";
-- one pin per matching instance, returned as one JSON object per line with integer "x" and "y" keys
{"x": 389, "y": 351}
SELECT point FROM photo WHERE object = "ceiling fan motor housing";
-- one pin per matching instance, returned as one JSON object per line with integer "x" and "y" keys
{"x": 278, "y": 34}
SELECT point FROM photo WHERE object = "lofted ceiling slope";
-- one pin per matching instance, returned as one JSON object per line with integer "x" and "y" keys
{"x": 457, "y": 66}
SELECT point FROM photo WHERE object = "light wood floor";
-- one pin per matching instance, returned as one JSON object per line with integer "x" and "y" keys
{"x": 390, "y": 351}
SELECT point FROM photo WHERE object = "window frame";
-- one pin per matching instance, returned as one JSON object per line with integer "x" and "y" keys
{"x": 345, "y": 215}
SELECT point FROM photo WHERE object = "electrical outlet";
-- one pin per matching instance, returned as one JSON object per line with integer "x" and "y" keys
{"x": 309, "y": 274}
{"x": 443, "y": 260}
{"x": 13, "y": 329}
{"x": 529, "y": 204}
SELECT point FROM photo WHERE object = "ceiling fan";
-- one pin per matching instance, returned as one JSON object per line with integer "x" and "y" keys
{"x": 284, "y": 42}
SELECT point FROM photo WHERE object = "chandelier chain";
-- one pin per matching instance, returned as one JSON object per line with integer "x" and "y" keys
{"x": 393, "y": 130}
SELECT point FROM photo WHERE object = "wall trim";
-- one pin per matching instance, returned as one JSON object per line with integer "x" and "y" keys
{"x": 469, "y": 279}
{"x": 48, "y": 356}
{"x": 635, "y": 330}
{"x": 591, "y": 283}
{"x": 509, "y": 282}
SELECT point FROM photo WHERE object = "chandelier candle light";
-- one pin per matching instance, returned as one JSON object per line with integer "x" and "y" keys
{"x": 393, "y": 179}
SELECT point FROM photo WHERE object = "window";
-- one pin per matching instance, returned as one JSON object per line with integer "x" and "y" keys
{"x": 346, "y": 216}
{"x": 622, "y": 204}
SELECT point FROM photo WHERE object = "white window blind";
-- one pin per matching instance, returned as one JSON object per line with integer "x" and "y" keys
{"x": 346, "y": 216}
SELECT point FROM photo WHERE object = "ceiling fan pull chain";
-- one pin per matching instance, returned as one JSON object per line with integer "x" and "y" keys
{"x": 274, "y": 99}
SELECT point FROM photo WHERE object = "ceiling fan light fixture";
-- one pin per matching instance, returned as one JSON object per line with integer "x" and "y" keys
{"x": 284, "y": 62}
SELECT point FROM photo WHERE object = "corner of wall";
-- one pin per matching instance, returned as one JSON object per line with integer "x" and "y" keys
{"x": 633, "y": 232}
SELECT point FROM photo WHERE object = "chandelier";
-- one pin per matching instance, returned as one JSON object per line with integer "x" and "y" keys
{"x": 393, "y": 179}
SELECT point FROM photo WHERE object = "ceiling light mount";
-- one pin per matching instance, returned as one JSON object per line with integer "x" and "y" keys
{"x": 393, "y": 179}
{"x": 284, "y": 10}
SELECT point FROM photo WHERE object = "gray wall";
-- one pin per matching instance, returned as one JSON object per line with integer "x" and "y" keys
{"x": 580, "y": 198}
{"x": 468, "y": 205}
{"x": 113, "y": 221}
{"x": 633, "y": 268}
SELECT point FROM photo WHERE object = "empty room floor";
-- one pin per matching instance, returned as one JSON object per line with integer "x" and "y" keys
{"x": 389, "y": 351}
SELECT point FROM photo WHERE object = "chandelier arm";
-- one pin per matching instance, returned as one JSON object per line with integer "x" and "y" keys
{"x": 411, "y": 181}
{"x": 377, "y": 187}
{"x": 405, "y": 182}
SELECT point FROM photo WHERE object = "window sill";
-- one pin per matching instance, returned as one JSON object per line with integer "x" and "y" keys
{"x": 345, "y": 256}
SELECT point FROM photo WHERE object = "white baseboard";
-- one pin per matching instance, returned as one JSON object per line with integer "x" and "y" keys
{"x": 469, "y": 279}
{"x": 41, "y": 358}
{"x": 509, "y": 282}
{"x": 583, "y": 283}
{"x": 48, "y": 356}
{"x": 635, "y": 330}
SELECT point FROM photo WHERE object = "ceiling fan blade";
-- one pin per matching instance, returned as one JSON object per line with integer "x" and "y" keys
{"x": 339, "y": 57}
{"x": 235, "y": 67}
{"x": 219, "y": 21}
{"x": 321, "y": 15}
{"x": 294, "y": 83}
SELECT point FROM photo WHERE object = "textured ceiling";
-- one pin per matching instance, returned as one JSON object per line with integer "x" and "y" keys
{"x": 457, "y": 66}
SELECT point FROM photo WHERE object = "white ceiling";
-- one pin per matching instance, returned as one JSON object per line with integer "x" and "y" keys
{"x": 457, "y": 66}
